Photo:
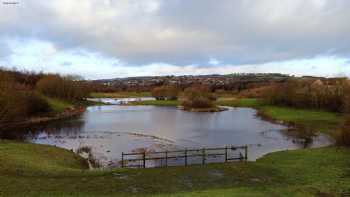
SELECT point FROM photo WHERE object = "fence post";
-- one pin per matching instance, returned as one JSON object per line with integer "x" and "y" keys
{"x": 185, "y": 157}
{"x": 246, "y": 152}
{"x": 144, "y": 159}
{"x": 166, "y": 158}
{"x": 122, "y": 159}
{"x": 203, "y": 154}
{"x": 225, "y": 154}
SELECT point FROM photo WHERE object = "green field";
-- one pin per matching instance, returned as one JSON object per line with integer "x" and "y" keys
{"x": 326, "y": 122}
{"x": 244, "y": 102}
{"x": 119, "y": 94}
{"x": 40, "y": 170}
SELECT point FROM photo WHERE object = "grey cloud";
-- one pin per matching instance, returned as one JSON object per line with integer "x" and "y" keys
{"x": 187, "y": 32}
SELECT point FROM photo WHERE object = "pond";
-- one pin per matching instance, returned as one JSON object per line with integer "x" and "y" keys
{"x": 112, "y": 129}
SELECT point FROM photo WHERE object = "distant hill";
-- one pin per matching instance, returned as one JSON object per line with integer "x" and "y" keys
{"x": 235, "y": 81}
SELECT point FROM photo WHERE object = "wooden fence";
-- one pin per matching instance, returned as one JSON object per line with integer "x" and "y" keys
{"x": 228, "y": 153}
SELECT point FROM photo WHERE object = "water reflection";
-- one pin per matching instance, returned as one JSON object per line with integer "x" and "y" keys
{"x": 60, "y": 127}
{"x": 111, "y": 130}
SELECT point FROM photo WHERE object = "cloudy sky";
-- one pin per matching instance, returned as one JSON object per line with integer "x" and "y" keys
{"x": 120, "y": 38}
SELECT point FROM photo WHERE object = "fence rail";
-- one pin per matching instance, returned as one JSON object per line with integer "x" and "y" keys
{"x": 203, "y": 154}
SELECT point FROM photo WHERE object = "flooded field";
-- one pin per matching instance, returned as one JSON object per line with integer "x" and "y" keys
{"x": 112, "y": 129}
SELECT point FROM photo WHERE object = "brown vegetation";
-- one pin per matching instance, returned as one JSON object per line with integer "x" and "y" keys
{"x": 343, "y": 135}
{"x": 255, "y": 92}
{"x": 62, "y": 87}
{"x": 317, "y": 94}
{"x": 21, "y": 98}
{"x": 165, "y": 92}
{"x": 198, "y": 97}
{"x": 17, "y": 100}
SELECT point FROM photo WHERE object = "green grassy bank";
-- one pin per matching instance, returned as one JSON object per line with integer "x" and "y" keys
{"x": 322, "y": 121}
{"x": 58, "y": 105}
{"x": 40, "y": 170}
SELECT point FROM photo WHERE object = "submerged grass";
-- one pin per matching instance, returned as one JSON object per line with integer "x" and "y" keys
{"x": 40, "y": 170}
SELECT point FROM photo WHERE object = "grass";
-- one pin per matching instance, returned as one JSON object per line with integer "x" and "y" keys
{"x": 322, "y": 121}
{"x": 40, "y": 170}
{"x": 58, "y": 105}
{"x": 326, "y": 122}
{"x": 243, "y": 102}
{"x": 120, "y": 94}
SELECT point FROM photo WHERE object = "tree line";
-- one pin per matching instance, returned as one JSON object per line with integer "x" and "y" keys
{"x": 24, "y": 94}
{"x": 329, "y": 95}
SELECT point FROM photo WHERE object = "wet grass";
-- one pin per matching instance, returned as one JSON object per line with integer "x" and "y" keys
{"x": 40, "y": 170}
{"x": 326, "y": 122}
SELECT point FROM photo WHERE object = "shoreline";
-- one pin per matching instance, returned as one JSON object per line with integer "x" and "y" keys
{"x": 212, "y": 109}
{"x": 63, "y": 115}
{"x": 68, "y": 113}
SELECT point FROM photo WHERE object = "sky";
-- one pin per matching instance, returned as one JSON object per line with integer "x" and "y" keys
{"x": 121, "y": 38}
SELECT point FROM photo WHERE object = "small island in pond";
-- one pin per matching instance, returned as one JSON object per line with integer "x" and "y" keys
{"x": 197, "y": 98}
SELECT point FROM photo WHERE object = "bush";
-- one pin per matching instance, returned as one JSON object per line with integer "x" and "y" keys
{"x": 165, "y": 93}
{"x": 36, "y": 103}
{"x": 62, "y": 87}
{"x": 311, "y": 94}
{"x": 17, "y": 106}
{"x": 198, "y": 97}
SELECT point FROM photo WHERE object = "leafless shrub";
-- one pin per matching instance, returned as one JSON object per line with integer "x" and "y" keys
{"x": 165, "y": 92}
{"x": 198, "y": 97}
{"x": 62, "y": 87}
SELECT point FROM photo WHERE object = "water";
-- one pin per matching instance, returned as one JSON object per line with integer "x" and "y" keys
{"x": 120, "y": 101}
{"x": 112, "y": 129}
